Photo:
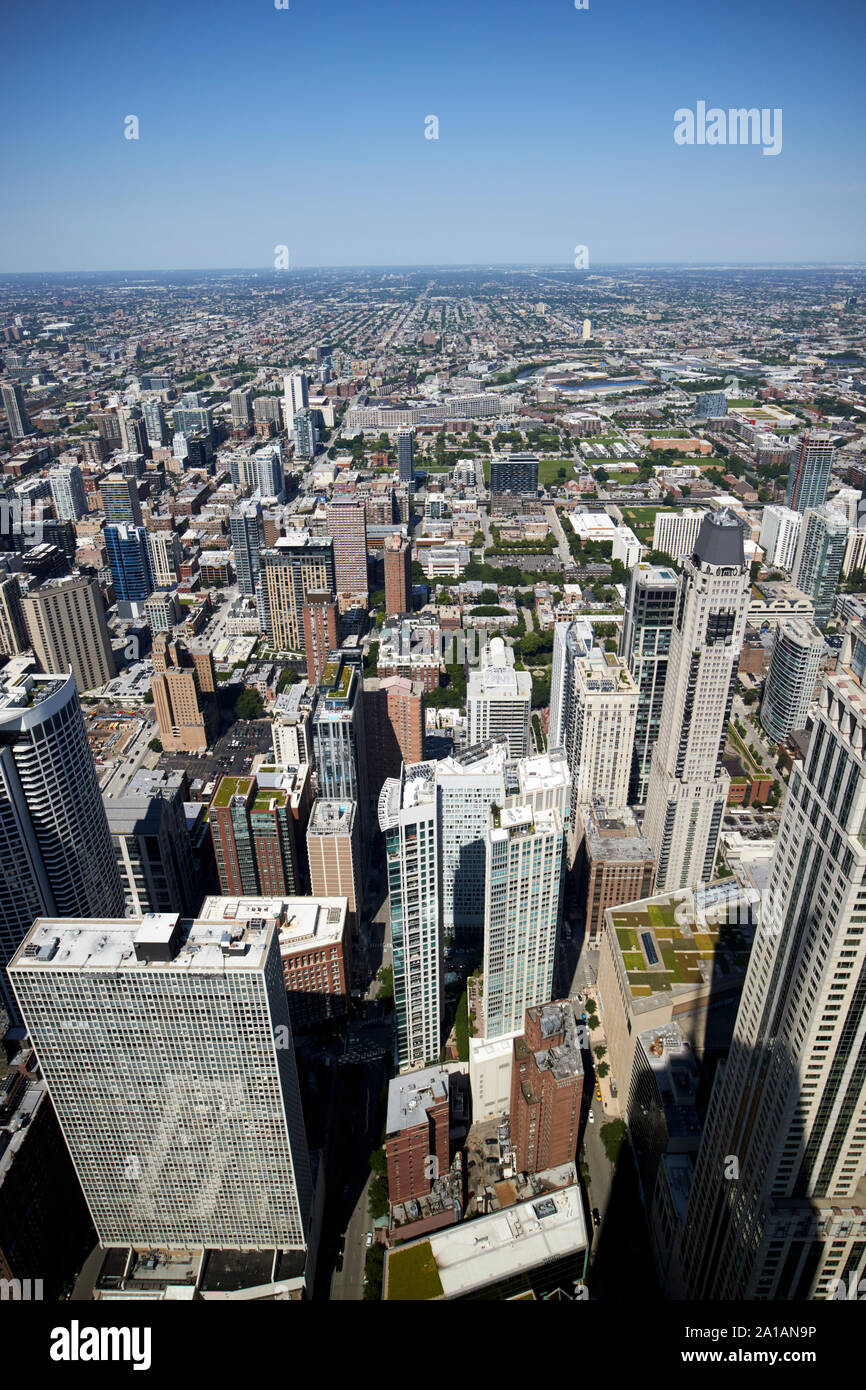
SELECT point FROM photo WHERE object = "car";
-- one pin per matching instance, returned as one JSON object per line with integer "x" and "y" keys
{"x": 583, "y": 1018}
{"x": 591, "y": 1118}
{"x": 597, "y": 1094}
{"x": 596, "y": 1219}
{"x": 369, "y": 1239}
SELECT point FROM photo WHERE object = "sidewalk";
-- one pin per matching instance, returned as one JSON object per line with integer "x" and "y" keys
{"x": 610, "y": 1104}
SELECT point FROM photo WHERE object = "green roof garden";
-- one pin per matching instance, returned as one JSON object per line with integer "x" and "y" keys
{"x": 229, "y": 787}
{"x": 681, "y": 949}
{"x": 412, "y": 1273}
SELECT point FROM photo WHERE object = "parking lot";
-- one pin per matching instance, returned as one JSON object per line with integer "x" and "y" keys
{"x": 252, "y": 738}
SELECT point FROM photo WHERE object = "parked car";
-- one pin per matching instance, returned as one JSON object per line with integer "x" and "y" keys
{"x": 369, "y": 1239}
{"x": 596, "y": 1219}
{"x": 591, "y": 1118}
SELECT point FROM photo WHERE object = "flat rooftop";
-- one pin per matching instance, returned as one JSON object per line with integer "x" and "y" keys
{"x": 332, "y": 817}
{"x": 104, "y": 944}
{"x": 682, "y": 942}
{"x": 411, "y": 1096}
{"x": 301, "y": 922}
{"x": 461, "y": 1259}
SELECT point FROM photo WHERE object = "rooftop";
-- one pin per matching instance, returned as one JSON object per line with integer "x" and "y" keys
{"x": 461, "y": 1259}
{"x": 229, "y": 787}
{"x": 412, "y": 1095}
{"x": 107, "y": 944}
{"x": 682, "y": 942}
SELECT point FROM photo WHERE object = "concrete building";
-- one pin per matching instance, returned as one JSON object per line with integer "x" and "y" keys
{"x": 292, "y": 568}
{"x": 416, "y": 1133}
{"x": 398, "y": 576}
{"x": 530, "y": 1250}
{"x": 206, "y": 1146}
{"x": 780, "y": 529}
{"x": 67, "y": 492}
{"x": 546, "y": 1089}
{"x": 499, "y": 699}
{"x": 296, "y": 397}
{"x": 514, "y": 473}
{"x": 120, "y": 500}
{"x": 791, "y": 1102}
{"x": 166, "y": 556}
{"x": 66, "y": 623}
{"x": 128, "y": 556}
{"x": 570, "y": 641}
{"x": 334, "y": 855}
{"x": 240, "y": 401}
{"x": 644, "y": 646}
{"x": 818, "y": 560}
{"x": 16, "y": 410}
{"x": 617, "y": 865}
{"x": 186, "y": 716}
{"x": 407, "y": 816}
{"x": 522, "y": 909}
{"x": 599, "y": 741}
{"x": 688, "y": 785}
{"x": 55, "y": 850}
{"x": 790, "y": 685}
{"x": 152, "y": 845}
{"x": 711, "y": 405}
{"x": 677, "y": 956}
{"x": 411, "y": 648}
{"x": 809, "y": 475}
{"x": 245, "y": 527}
{"x": 291, "y": 730}
{"x": 675, "y": 533}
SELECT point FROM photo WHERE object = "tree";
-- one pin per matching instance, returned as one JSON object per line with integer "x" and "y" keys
{"x": 599, "y": 1051}
{"x": 249, "y": 705}
{"x": 148, "y": 696}
{"x": 602, "y": 1070}
{"x": 386, "y": 982}
{"x": 155, "y": 746}
{"x": 751, "y": 697}
{"x": 540, "y": 692}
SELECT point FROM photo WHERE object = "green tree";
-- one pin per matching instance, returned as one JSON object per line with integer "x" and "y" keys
{"x": 249, "y": 705}
{"x": 155, "y": 746}
{"x": 600, "y": 1051}
{"x": 602, "y": 1069}
{"x": 386, "y": 982}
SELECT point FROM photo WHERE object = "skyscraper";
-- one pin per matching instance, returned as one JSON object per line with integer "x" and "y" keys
{"x": 67, "y": 491}
{"x": 334, "y": 854}
{"x": 166, "y": 554}
{"x": 407, "y": 815}
{"x": 394, "y": 724}
{"x": 790, "y": 685}
{"x": 688, "y": 785}
{"x": 522, "y": 906}
{"x": 644, "y": 646}
{"x": 16, "y": 410}
{"x": 129, "y": 561}
{"x": 320, "y": 631}
{"x": 152, "y": 845}
{"x": 780, "y": 528}
{"x": 339, "y": 736}
{"x": 245, "y": 527}
{"x": 784, "y": 1219}
{"x": 66, "y": 622}
{"x": 183, "y": 686}
{"x": 55, "y": 849}
{"x": 347, "y": 524}
{"x": 818, "y": 560}
{"x": 398, "y": 575}
{"x": 120, "y": 500}
{"x": 240, "y": 401}
{"x": 406, "y": 455}
{"x": 270, "y": 479}
{"x": 295, "y": 565}
{"x": 810, "y": 471}
{"x": 305, "y": 435}
{"x": 570, "y": 640}
{"x": 295, "y": 398}
{"x": 254, "y": 839}
{"x": 499, "y": 699}
{"x": 195, "y": 1140}
{"x": 13, "y": 630}
{"x": 154, "y": 423}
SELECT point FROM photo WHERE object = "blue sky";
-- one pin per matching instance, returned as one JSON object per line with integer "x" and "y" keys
{"x": 305, "y": 127}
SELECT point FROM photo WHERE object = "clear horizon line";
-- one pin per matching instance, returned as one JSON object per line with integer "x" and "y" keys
{"x": 446, "y": 265}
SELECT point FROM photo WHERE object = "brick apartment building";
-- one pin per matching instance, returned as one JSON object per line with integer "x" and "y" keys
{"x": 546, "y": 1088}
{"x": 416, "y": 1132}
